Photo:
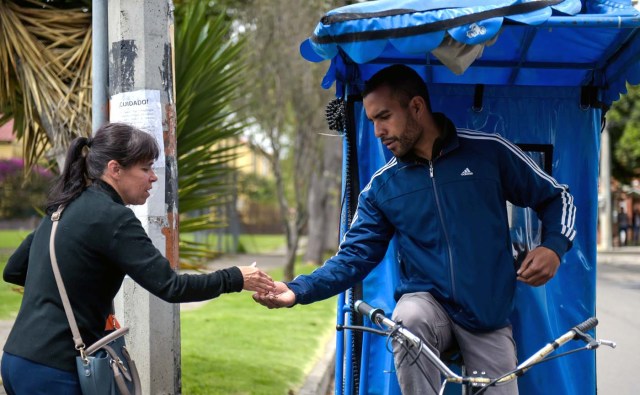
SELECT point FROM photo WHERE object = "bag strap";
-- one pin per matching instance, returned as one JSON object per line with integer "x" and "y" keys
{"x": 77, "y": 339}
{"x": 120, "y": 372}
{"x": 106, "y": 340}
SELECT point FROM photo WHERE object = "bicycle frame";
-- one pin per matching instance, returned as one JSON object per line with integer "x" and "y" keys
{"x": 401, "y": 334}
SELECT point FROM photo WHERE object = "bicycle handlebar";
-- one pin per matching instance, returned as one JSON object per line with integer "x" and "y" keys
{"x": 402, "y": 334}
{"x": 589, "y": 324}
{"x": 367, "y": 310}
{"x": 577, "y": 332}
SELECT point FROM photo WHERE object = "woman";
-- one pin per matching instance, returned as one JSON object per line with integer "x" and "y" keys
{"x": 99, "y": 240}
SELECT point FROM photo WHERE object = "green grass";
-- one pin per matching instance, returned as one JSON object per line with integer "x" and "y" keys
{"x": 247, "y": 243}
{"x": 251, "y": 243}
{"x": 10, "y": 295}
{"x": 233, "y": 346}
{"x": 259, "y": 244}
{"x": 11, "y": 239}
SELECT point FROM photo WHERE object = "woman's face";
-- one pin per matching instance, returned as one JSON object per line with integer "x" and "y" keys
{"x": 134, "y": 182}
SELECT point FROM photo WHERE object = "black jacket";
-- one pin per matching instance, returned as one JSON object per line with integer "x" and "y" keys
{"x": 99, "y": 241}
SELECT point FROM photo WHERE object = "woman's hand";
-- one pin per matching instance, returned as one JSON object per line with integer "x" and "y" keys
{"x": 256, "y": 280}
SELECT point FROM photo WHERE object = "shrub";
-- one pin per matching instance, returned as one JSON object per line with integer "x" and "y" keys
{"x": 22, "y": 195}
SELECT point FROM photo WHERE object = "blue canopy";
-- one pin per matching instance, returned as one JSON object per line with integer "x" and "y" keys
{"x": 553, "y": 44}
{"x": 540, "y": 73}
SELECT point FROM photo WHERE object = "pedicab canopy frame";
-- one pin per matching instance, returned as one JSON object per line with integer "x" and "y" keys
{"x": 541, "y": 74}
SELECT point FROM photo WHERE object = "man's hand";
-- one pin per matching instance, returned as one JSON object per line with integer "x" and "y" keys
{"x": 281, "y": 297}
{"x": 538, "y": 267}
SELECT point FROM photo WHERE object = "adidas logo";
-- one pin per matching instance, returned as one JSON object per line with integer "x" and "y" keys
{"x": 466, "y": 172}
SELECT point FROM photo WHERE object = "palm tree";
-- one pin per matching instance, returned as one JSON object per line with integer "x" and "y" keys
{"x": 45, "y": 70}
{"x": 45, "y": 61}
{"x": 209, "y": 65}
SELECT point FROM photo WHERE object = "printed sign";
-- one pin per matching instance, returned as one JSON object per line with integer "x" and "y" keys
{"x": 142, "y": 109}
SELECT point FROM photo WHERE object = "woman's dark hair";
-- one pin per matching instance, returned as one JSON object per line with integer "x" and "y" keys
{"x": 87, "y": 159}
{"x": 404, "y": 82}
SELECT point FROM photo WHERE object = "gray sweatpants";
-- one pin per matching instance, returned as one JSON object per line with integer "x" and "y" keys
{"x": 492, "y": 352}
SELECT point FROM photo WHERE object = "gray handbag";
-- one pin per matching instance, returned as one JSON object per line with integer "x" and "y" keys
{"x": 105, "y": 367}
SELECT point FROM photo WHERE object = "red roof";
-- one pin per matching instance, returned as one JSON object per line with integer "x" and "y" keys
{"x": 6, "y": 132}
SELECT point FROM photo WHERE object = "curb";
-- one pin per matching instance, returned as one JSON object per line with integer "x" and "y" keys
{"x": 620, "y": 258}
{"x": 319, "y": 381}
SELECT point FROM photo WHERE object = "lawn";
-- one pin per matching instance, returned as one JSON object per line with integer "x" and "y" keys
{"x": 10, "y": 239}
{"x": 10, "y": 295}
{"x": 247, "y": 243}
{"x": 259, "y": 244}
{"x": 233, "y": 346}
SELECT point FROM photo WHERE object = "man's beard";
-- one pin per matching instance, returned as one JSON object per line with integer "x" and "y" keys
{"x": 408, "y": 140}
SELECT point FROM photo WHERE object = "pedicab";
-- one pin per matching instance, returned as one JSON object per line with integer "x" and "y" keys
{"x": 541, "y": 74}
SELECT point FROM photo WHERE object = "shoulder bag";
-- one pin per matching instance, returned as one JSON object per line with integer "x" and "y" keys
{"x": 105, "y": 367}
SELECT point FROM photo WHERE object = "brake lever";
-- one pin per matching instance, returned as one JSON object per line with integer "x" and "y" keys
{"x": 592, "y": 343}
{"x": 603, "y": 342}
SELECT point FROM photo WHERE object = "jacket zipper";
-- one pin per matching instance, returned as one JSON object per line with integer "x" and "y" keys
{"x": 444, "y": 229}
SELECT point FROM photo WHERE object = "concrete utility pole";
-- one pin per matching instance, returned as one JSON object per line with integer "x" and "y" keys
{"x": 141, "y": 93}
{"x": 606, "y": 239}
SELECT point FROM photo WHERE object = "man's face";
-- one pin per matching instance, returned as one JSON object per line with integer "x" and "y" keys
{"x": 394, "y": 124}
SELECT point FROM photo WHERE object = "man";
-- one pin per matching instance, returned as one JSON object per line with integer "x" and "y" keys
{"x": 443, "y": 196}
{"x": 623, "y": 226}
{"x": 636, "y": 225}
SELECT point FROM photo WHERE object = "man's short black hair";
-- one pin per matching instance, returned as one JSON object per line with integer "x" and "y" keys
{"x": 405, "y": 83}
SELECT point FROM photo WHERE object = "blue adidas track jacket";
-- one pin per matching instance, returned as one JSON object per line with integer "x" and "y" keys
{"x": 450, "y": 219}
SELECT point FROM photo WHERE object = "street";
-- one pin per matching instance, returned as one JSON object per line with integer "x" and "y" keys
{"x": 617, "y": 307}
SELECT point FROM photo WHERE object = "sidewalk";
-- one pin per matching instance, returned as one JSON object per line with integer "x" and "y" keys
{"x": 621, "y": 256}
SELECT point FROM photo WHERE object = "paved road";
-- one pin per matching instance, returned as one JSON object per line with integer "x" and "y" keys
{"x": 617, "y": 307}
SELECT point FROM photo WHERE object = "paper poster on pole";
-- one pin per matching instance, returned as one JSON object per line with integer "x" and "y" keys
{"x": 142, "y": 109}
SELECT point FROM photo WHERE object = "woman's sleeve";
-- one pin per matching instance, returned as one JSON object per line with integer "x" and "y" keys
{"x": 133, "y": 251}
{"x": 16, "y": 270}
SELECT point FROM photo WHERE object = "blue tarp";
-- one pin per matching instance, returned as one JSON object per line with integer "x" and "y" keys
{"x": 549, "y": 70}
{"x": 554, "y": 45}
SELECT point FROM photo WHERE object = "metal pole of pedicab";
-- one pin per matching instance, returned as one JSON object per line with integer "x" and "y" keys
{"x": 141, "y": 91}
{"x": 605, "y": 180}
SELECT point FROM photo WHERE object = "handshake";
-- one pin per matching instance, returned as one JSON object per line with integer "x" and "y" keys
{"x": 269, "y": 293}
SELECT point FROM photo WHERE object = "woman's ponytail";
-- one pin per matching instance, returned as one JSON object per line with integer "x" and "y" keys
{"x": 73, "y": 179}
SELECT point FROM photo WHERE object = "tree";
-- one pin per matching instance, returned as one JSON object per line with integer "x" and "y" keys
{"x": 20, "y": 196}
{"x": 45, "y": 59}
{"x": 286, "y": 104}
{"x": 624, "y": 127}
{"x": 45, "y": 87}
{"x": 209, "y": 65}
{"x": 324, "y": 202}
